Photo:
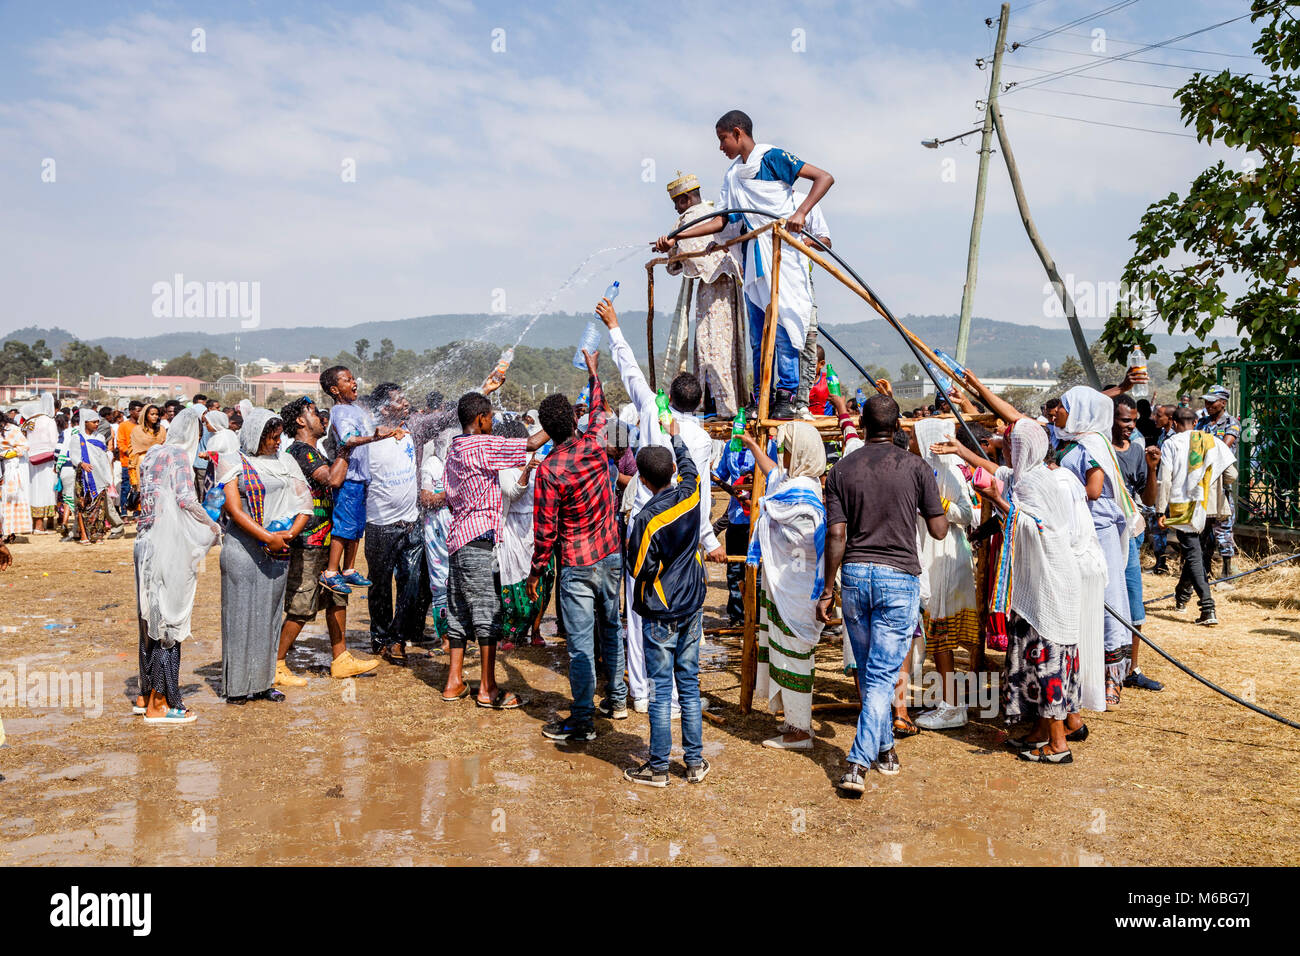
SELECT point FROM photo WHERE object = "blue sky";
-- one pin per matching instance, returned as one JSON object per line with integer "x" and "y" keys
{"x": 484, "y": 177}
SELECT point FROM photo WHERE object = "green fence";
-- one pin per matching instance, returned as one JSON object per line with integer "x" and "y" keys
{"x": 1266, "y": 398}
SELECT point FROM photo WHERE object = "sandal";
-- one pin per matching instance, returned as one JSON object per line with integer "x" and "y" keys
{"x": 905, "y": 727}
{"x": 464, "y": 692}
{"x": 397, "y": 660}
{"x": 1112, "y": 692}
{"x": 1042, "y": 755}
{"x": 502, "y": 700}
{"x": 174, "y": 715}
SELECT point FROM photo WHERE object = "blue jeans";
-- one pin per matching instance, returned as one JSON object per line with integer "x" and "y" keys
{"x": 882, "y": 607}
{"x": 126, "y": 494}
{"x": 586, "y": 592}
{"x": 672, "y": 652}
{"x": 785, "y": 368}
{"x": 1133, "y": 578}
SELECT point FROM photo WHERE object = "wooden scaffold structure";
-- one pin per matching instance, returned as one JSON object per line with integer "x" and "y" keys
{"x": 764, "y": 427}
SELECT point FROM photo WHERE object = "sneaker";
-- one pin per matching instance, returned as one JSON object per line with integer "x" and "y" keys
{"x": 783, "y": 408}
{"x": 854, "y": 779}
{"x": 333, "y": 582}
{"x": 569, "y": 729}
{"x": 887, "y": 763}
{"x": 1142, "y": 682}
{"x": 1180, "y": 607}
{"x": 1161, "y": 567}
{"x": 696, "y": 772}
{"x": 355, "y": 579}
{"x": 641, "y": 705}
{"x": 607, "y": 708}
{"x": 287, "y": 678}
{"x": 1207, "y": 619}
{"x": 345, "y": 665}
{"x": 647, "y": 775}
{"x": 944, "y": 717}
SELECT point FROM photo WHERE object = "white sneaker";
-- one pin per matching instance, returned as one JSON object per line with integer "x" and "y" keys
{"x": 641, "y": 705}
{"x": 944, "y": 717}
{"x": 780, "y": 743}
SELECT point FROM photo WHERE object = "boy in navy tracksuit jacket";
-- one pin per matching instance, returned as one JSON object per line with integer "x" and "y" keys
{"x": 663, "y": 553}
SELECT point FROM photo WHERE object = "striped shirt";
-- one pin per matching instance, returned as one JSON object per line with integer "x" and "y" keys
{"x": 473, "y": 489}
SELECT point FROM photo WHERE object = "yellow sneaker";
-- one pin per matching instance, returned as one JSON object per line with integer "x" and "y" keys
{"x": 287, "y": 678}
{"x": 345, "y": 665}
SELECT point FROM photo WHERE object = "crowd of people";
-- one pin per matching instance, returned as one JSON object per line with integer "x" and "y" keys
{"x": 470, "y": 522}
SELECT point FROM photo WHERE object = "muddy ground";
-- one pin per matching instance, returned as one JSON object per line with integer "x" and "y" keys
{"x": 381, "y": 771}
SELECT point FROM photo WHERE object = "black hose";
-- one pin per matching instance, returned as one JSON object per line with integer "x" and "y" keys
{"x": 889, "y": 316}
{"x": 821, "y": 332}
{"x": 938, "y": 388}
{"x": 1191, "y": 673}
{"x": 1231, "y": 577}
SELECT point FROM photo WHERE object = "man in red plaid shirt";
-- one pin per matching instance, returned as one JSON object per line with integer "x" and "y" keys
{"x": 574, "y": 506}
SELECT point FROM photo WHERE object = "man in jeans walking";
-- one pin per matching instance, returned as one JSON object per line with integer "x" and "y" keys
{"x": 574, "y": 505}
{"x": 872, "y": 498}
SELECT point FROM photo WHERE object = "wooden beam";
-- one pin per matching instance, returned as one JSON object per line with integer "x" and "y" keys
{"x": 650, "y": 318}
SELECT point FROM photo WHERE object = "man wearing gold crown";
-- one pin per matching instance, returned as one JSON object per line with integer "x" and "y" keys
{"x": 719, "y": 354}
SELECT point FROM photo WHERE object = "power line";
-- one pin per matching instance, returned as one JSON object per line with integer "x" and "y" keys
{"x": 1080, "y": 119}
{"x": 1181, "y": 49}
{"x": 1112, "y": 99}
{"x": 1098, "y": 79}
{"x": 1072, "y": 71}
{"x": 1102, "y": 56}
{"x": 1113, "y": 8}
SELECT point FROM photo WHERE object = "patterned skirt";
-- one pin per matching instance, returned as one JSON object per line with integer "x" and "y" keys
{"x": 92, "y": 508}
{"x": 519, "y": 610}
{"x": 1041, "y": 678}
{"x": 949, "y": 633}
{"x": 785, "y": 667}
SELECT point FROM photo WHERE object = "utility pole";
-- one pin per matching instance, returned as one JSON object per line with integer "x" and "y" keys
{"x": 981, "y": 184}
{"x": 1049, "y": 264}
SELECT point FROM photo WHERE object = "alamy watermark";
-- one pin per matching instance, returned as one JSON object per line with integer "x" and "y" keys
{"x": 179, "y": 299}
{"x": 79, "y": 690}
{"x": 1100, "y": 300}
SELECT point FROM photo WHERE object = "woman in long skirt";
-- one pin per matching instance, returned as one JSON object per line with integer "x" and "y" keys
{"x": 264, "y": 488}
{"x": 515, "y": 553}
{"x": 42, "y": 437}
{"x": 789, "y": 537}
{"x": 14, "y": 501}
{"x": 173, "y": 535}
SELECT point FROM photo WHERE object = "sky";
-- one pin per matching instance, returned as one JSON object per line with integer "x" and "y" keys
{"x": 496, "y": 146}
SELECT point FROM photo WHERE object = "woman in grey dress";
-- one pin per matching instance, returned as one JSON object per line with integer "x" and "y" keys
{"x": 264, "y": 489}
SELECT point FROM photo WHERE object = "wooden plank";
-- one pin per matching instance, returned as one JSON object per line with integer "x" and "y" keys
{"x": 650, "y": 318}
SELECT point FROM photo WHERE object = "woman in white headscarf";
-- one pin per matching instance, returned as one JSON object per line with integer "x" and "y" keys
{"x": 789, "y": 537}
{"x": 267, "y": 503}
{"x": 952, "y": 616}
{"x": 88, "y": 453}
{"x": 1088, "y": 454}
{"x": 42, "y": 437}
{"x": 173, "y": 535}
{"x": 15, "y": 503}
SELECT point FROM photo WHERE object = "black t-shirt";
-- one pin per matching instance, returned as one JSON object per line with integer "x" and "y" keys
{"x": 877, "y": 491}
{"x": 1133, "y": 465}
{"x": 317, "y": 532}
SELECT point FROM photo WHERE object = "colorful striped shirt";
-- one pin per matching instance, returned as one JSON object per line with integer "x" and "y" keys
{"x": 473, "y": 490}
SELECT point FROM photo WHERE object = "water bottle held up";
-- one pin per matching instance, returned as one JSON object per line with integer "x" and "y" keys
{"x": 1137, "y": 362}
{"x": 665, "y": 414}
{"x": 956, "y": 367}
{"x": 498, "y": 374}
{"x": 738, "y": 429}
{"x": 832, "y": 380}
{"x": 591, "y": 335}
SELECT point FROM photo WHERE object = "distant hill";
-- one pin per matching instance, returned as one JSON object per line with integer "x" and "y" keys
{"x": 994, "y": 346}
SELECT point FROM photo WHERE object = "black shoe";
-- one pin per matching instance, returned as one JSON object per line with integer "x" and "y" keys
{"x": 1142, "y": 682}
{"x": 569, "y": 729}
{"x": 606, "y": 708}
{"x": 272, "y": 695}
{"x": 236, "y": 700}
{"x": 887, "y": 763}
{"x": 1045, "y": 756}
{"x": 1078, "y": 736}
{"x": 783, "y": 408}
{"x": 647, "y": 775}
{"x": 1207, "y": 619}
{"x": 854, "y": 779}
{"x": 751, "y": 411}
{"x": 1161, "y": 567}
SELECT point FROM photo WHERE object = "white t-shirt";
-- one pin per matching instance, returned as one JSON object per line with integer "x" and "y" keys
{"x": 394, "y": 482}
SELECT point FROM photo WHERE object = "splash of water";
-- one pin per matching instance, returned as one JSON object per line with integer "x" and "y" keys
{"x": 579, "y": 277}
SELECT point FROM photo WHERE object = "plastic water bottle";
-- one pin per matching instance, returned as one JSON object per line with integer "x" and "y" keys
{"x": 591, "y": 335}
{"x": 1137, "y": 362}
{"x": 945, "y": 383}
{"x": 861, "y": 397}
{"x": 832, "y": 380}
{"x": 956, "y": 367}
{"x": 737, "y": 429}
{"x": 498, "y": 374}
{"x": 665, "y": 414}
{"x": 213, "y": 500}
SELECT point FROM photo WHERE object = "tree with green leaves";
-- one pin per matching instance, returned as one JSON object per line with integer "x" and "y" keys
{"x": 1235, "y": 229}
{"x": 909, "y": 371}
